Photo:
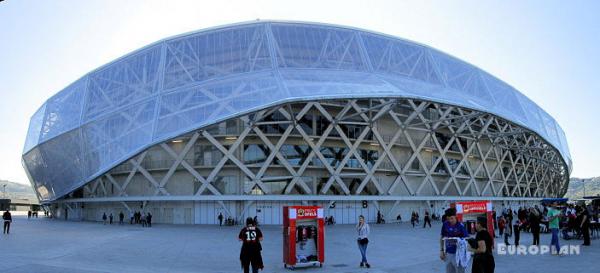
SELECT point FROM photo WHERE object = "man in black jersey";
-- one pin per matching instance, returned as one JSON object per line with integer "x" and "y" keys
{"x": 250, "y": 252}
{"x": 483, "y": 259}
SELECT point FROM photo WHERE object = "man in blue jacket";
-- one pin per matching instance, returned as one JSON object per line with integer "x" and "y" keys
{"x": 451, "y": 228}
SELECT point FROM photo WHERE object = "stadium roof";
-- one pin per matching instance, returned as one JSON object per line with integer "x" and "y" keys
{"x": 193, "y": 80}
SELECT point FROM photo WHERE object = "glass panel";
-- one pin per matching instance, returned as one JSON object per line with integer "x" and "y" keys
{"x": 63, "y": 110}
{"x": 296, "y": 155}
{"x": 129, "y": 80}
{"x": 464, "y": 78}
{"x": 227, "y": 184}
{"x": 114, "y": 137}
{"x": 191, "y": 108}
{"x": 57, "y": 165}
{"x": 206, "y": 155}
{"x": 255, "y": 153}
{"x": 317, "y": 47}
{"x": 35, "y": 126}
{"x": 390, "y": 55}
{"x": 505, "y": 98}
{"x": 217, "y": 53}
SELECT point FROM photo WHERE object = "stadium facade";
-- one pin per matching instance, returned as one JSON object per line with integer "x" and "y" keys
{"x": 246, "y": 118}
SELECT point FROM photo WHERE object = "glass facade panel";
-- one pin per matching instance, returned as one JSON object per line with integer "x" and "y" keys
{"x": 63, "y": 110}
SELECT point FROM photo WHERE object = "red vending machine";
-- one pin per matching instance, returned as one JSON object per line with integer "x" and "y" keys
{"x": 467, "y": 212}
{"x": 303, "y": 236}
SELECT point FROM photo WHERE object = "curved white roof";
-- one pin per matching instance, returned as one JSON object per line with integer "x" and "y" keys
{"x": 197, "y": 79}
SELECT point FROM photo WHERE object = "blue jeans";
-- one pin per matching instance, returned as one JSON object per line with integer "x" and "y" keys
{"x": 555, "y": 241}
{"x": 363, "y": 251}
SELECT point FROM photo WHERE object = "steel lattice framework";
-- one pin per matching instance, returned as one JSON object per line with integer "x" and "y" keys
{"x": 498, "y": 158}
{"x": 362, "y": 115}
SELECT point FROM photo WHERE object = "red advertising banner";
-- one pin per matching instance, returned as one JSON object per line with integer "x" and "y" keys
{"x": 306, "y": 213}
{"x": 474, "y": 207}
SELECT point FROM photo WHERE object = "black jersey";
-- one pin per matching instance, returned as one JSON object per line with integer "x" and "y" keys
{"x": 250, "y": 252}
{"x": 250, "y": 236}
{"x": 484, "y": 235}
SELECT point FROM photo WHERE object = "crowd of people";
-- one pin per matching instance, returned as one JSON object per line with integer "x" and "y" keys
{"x": 135, "y": 217}
{"x": 32, "y": 214}
{"x": 569, "y": 221}
{"x": 229, "y": 221}
{"x": 427, "y": 218}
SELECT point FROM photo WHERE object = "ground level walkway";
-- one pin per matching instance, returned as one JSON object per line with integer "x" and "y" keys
{"x": 45, "y": 245}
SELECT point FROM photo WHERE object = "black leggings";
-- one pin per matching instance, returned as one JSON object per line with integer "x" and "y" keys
{"x": 6, "y": 227}
{"x": 246, "y": 265}
{"x": 251, "y": 259}
{"x": 586, "y": 234}
{"x": 536, "y": 235}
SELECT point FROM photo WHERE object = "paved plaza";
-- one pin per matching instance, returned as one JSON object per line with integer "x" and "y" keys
{"x": 44, "y": 245}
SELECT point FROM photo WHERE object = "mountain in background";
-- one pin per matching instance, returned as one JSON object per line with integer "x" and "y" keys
{"x": 575, "y": 191}
{"x": 16, "y": 190}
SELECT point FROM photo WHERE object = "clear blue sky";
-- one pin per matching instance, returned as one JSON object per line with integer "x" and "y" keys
{"x": 549, "y": 50}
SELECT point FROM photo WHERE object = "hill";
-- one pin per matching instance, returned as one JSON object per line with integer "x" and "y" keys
{"x": 575, "y": 191}
{"x": 16, "y": 190}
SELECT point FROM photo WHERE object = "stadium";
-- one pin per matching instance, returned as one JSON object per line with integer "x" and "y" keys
{"x": 246, "y": 118}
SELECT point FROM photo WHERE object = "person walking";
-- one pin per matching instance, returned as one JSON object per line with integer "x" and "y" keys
{"x": 7, "y": 217}
{"x": 483, "y": 259}
{"x": 121, "y": 217}
{"x": 250, "y": 256}
{"x": 554, "y": 225}
{"x": 451, "y": 228}
{"x": 585, "y": 225}
{"x": 507, "y": 233}
{"x": 131, "y": 216}
{"x": 517, "y": 231}
{"x": 28, "y": 214}
{"x": 220, "y": 217}
{"x": 426, "y": 219}
{"x": 143, "y": 220}
{"x": 363, "y": 233}
{"x": 413, "y": 218}
{"x": 104, "y": 218}
{"x": 149, "y": 219}
{"x": 501, "y": 225}
{"x": 110, "y": 218}
{"x": 380, "y": 219}
{"x": 495, "y": 220}
{"x": 534, "y": 225}
{"x": 509, "y": 218}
